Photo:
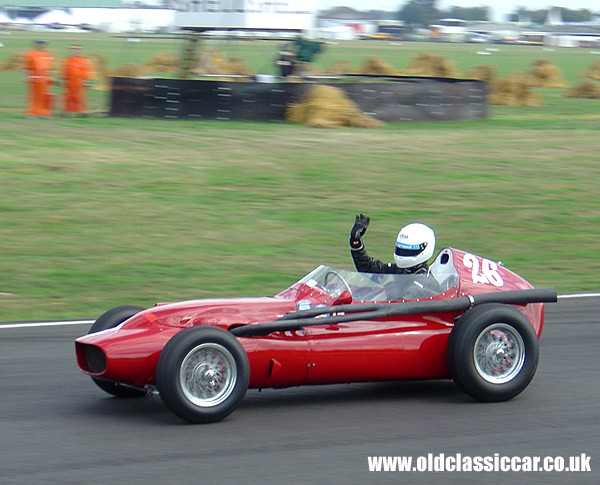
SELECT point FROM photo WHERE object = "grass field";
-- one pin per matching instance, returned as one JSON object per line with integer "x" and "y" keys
{"x": 100, "y": 211}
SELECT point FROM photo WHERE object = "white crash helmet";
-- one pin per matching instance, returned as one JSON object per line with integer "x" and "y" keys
{"x": 415, "y": 245}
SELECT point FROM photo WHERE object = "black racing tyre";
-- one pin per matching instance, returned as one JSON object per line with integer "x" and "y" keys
{"x": 111, "y": 319}
{"x": 202, "y": 374}
{"x": 492, "y": 352}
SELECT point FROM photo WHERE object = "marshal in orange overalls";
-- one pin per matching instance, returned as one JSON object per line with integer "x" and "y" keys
{"x": 37, "y": 63}
{"x": 76, "y": 72}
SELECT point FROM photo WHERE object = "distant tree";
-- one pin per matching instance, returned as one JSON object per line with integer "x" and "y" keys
{"x": 534, "y": 16}
{"x": 419, "y": 12}
{"x": 466, "y": 13}
{"x": 380, "y": 14}
{"x": 540, "y": 16}
{"x": 428, "y": 3}
{"x": 581, "y": 15}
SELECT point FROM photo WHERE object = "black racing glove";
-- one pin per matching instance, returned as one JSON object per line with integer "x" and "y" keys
{"x": 361, "y": 222}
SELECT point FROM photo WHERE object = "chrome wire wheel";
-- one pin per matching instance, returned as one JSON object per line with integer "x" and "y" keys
{"x": 499, "y": 353}
{"x": 493, "y": 352}
{"x": 202, "y": 374}
{"x": 208, "y": 375}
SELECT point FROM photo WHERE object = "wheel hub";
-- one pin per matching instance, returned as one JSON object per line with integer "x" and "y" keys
{"x": 207, "y": 375}
{"x": 496, "y": 353}
{"x": 499, "y": 353}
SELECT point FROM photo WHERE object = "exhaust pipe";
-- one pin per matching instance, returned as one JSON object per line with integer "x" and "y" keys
{"x": 373, "y": 311}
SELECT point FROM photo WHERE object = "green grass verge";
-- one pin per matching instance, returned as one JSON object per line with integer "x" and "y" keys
{"x": 99, "y": 212}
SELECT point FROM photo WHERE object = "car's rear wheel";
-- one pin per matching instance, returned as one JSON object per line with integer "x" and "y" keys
{"x": 111, "y": 319}
{"x": 492, "y": 352}
{"x": 202, "y": 374}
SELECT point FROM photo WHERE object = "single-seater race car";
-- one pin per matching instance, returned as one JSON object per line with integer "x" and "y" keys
{"x": 469, "y": 319}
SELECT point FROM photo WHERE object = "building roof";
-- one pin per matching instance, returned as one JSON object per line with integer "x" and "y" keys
{"x": 343, "y": 13}
{"x": 575, "y": 29}
{"x": 572, "y": 29}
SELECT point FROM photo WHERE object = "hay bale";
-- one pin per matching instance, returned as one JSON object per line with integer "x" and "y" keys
{"x": 432, "y": 65}
{"x": 544, "y": 74}
{"x": 328, "y": 107}
{"x": 212, "y": 61}
{"x": 594, "y": 71}
{"x": 162, "y": 62}
{"x": 237, "y": 65}
{"x": 483, "y": 73}
{"x": 489, "y": 74}
{"x": 13, "y": 63}
{"x": 129, "y": 69}
{"x": 514, "y": 90}
{"x": 376, "y": 66}
{"x": 338, "y": 68}
{"x": 586, "y": 89}
{"x": 101, "y": 72}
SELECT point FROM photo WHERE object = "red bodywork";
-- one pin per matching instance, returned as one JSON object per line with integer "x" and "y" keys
{"x": 407, "y": 347}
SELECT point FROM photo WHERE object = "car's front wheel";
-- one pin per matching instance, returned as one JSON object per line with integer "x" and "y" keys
{"x": 202, "y": 374}
{"x": 492, "y": 352}
{"x": 113, "y": 317}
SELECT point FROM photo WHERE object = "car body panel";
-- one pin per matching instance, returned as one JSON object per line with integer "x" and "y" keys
{"x": 479, "y": 275}
{"x": 410, "y": 348}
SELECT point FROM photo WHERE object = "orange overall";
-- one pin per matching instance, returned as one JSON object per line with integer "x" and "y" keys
{"x": 38, "y": 64}
{"x": 77, "y": 70}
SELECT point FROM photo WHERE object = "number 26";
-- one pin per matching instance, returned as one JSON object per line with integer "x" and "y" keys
{"x": 489, "y": 270}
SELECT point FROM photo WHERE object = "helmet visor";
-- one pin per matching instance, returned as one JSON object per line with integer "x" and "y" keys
{"x": 409, "y": 250}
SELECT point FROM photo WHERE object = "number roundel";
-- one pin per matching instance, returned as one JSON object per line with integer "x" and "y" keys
{"x": 483, "y": 271}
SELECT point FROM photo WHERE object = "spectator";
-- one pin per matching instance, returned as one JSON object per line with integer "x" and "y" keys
{"x": 37, "y": 64}
{"x": 285, "y": 62}
{"x": 76, "y": 74}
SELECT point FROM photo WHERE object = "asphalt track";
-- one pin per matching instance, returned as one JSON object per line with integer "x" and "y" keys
{"x": 56, "y": 426}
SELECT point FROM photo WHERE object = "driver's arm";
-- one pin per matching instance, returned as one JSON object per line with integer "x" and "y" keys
{"x": 363, "y": 262}
{"x": 366, "y": 264}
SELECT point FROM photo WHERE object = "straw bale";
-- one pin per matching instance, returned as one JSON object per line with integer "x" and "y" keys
{"x": 162, "y": 62}
{"x": 338, "y": 68}
{"x": 489, "y": 74}
{"x": 129, "y": 70}
{"x": 212, "y": 61}
{"x": 328, "y": 107}
{"x": 237, "y": 65}
{"x": 544, "y": 74}
{"x": 483, "y": 73}
{"x": 377, "y": 66}
{"x": 13, "y": 63}
{"x": 432, "y": 65}
{"x": 514, "y": 90}
{"x": 585, "y": 89}
{"x": 594, "y": 71}
{"x": 101, "y": 71}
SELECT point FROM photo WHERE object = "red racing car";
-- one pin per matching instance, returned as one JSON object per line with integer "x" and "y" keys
{"x": 469, "y": 319}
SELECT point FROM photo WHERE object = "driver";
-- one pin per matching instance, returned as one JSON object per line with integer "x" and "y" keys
{"x": 415, "y": 244}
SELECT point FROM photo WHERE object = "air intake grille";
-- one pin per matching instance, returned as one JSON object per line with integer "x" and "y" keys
{"x": 96, "y": 360}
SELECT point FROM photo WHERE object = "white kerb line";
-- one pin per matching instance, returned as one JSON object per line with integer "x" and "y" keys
{"x": 45, "y": 324}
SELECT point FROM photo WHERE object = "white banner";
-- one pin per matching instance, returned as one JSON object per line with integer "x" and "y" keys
{"x": 245, "y": 14}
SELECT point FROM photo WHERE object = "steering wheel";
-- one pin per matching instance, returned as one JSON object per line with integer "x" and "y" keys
{"x": 335, "y": 274}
